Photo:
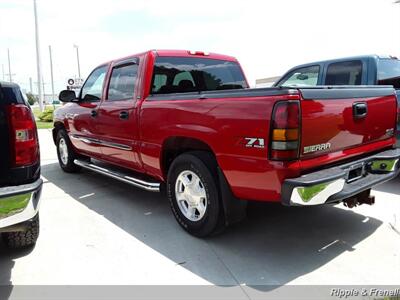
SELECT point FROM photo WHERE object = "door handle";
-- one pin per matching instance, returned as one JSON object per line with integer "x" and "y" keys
{"x": 124, "y": 115}
{"x": 360, "y": 110}
{"x": 93, "y": 113}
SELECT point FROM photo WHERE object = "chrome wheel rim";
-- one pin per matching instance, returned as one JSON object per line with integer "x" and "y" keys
{"x": 63, "y": 151}
{"x": 191, "y": 196}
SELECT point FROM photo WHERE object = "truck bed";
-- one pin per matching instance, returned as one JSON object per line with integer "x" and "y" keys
{"x": 224, "y": 119}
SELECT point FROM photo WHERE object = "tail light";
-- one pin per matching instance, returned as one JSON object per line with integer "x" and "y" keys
{"x": 285, "y": 133}
{"x": 23, "y": 136}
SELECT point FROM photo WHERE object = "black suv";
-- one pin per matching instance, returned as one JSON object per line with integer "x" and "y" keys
{"x": 20, "y": 183}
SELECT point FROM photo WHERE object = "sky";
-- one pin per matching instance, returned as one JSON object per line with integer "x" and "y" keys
{"x": 267, "y": 37}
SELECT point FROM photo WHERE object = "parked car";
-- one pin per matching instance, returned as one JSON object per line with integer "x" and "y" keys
{"x": 187, "y": 121}
{"x": 359, "y": 70}
{"x": 20, "y": 183}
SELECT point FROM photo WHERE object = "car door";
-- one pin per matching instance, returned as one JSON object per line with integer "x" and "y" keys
{"x": 82, "y": 115}
{"x": 117, "y": 119}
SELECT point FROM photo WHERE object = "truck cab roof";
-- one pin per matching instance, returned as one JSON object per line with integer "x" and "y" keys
{"x": 358, "y": 57}
{"x": 177, "y": 53}
{"x": 8, "y": 84}
{"x": 353, "y": 70}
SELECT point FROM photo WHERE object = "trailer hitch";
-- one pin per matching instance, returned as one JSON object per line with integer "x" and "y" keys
{"x": 361, "y": 198}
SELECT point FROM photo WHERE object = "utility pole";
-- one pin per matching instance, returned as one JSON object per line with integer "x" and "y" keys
{"x": 51, "y": 74}
{"x": 77, "y": 58}
{"x": 9, "y": 65}
{"x": 44, "y": 91}
{"x": 38, "y": 62}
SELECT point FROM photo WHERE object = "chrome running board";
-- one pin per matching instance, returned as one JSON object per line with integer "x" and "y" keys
{"x": 145, "y": 185}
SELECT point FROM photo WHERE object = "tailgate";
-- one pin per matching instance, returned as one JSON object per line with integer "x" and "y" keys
{"x": 335, "y": 119}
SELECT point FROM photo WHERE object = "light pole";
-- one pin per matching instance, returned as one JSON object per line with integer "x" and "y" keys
{"x": 38, "y": 62}
{"x": 51, "y": 74}
{"x": 9, "y": 65}
{"x": 44, "y": 92}
{"x": 77, "y": 58}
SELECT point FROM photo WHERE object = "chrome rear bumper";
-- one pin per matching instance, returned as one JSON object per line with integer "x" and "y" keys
{"x": 341, "y": 182}
{"x": 19, "y": 203}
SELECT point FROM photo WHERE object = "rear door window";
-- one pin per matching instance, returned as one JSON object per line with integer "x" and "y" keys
{"x": 307, "y": 76}
{"x": 344, "y": 73}
{"x": 187, "y": 74}
{"x": 122, "y": 82}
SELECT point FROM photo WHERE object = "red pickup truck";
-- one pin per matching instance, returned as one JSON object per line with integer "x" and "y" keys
{"x": 187, "y": 121}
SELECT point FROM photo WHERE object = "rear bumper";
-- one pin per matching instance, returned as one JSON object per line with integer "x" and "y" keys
{"x": 19, "y": 203}
{"x": 341, "y": 182}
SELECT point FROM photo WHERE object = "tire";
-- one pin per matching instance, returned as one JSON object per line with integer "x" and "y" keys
{"x": 23, "y": 239}
{"x": 192, "y": 177}
{"x": 65, "y": 153}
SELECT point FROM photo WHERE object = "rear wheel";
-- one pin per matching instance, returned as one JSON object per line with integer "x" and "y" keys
{"x": 25, "y": 238}
{"x": 65, "y": 152}
{"x": 193, "y": 193}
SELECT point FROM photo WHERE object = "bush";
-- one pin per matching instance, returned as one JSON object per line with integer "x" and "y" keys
{"x": 31, "y": 98}
{"x": 46, "y": 115}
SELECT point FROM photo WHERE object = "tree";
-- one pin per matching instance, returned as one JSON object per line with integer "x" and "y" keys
{"x": 31, "y": 98}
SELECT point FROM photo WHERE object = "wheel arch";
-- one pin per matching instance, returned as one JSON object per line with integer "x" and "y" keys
{"x": 233, "y": 209}
{"x": 58, "y": 125}
{"x": 174, "y": 146}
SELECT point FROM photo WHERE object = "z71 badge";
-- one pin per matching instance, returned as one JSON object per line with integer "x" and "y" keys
{"x": 254, "y": 143}
{"x": 315, "y": 148}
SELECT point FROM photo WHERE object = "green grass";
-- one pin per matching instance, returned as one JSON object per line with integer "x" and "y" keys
{"x": 36, "y": 111}
{"x": 41, "y": 124}
{"x": 13, "y": 205}
{"x": 388, "y": 165}
{"x": 44, "y": 125}
{"x": 307, "y": 193}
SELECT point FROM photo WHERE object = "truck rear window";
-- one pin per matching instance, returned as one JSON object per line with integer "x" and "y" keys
{"x": 187, "y": 74}
{"x": 389, "y": 72}
{"x": 11, "y": 94}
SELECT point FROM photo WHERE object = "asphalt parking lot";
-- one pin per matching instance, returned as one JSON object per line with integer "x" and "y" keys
{"x": 95, "y": 230}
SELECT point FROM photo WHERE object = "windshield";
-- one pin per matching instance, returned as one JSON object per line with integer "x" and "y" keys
{"x": 389, "y": 72}
{"x": 306, "y": 76}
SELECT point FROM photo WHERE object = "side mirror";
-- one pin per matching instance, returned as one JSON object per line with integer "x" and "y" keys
{"x": 302, "y": 77}
{"x": 67, "y": 96}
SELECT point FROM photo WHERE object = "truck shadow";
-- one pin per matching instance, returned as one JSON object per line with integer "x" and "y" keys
{"x": 7, "y": 257}
{"x": 392, "y": 186}
{"x": 274, "y": 246}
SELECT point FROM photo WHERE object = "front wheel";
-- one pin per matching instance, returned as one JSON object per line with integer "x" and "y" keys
{"x": 65, "y": 153}
{"x": 193, "y": 193}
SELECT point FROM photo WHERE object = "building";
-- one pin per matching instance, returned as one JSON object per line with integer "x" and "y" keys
{"x": 266, "y": 82}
